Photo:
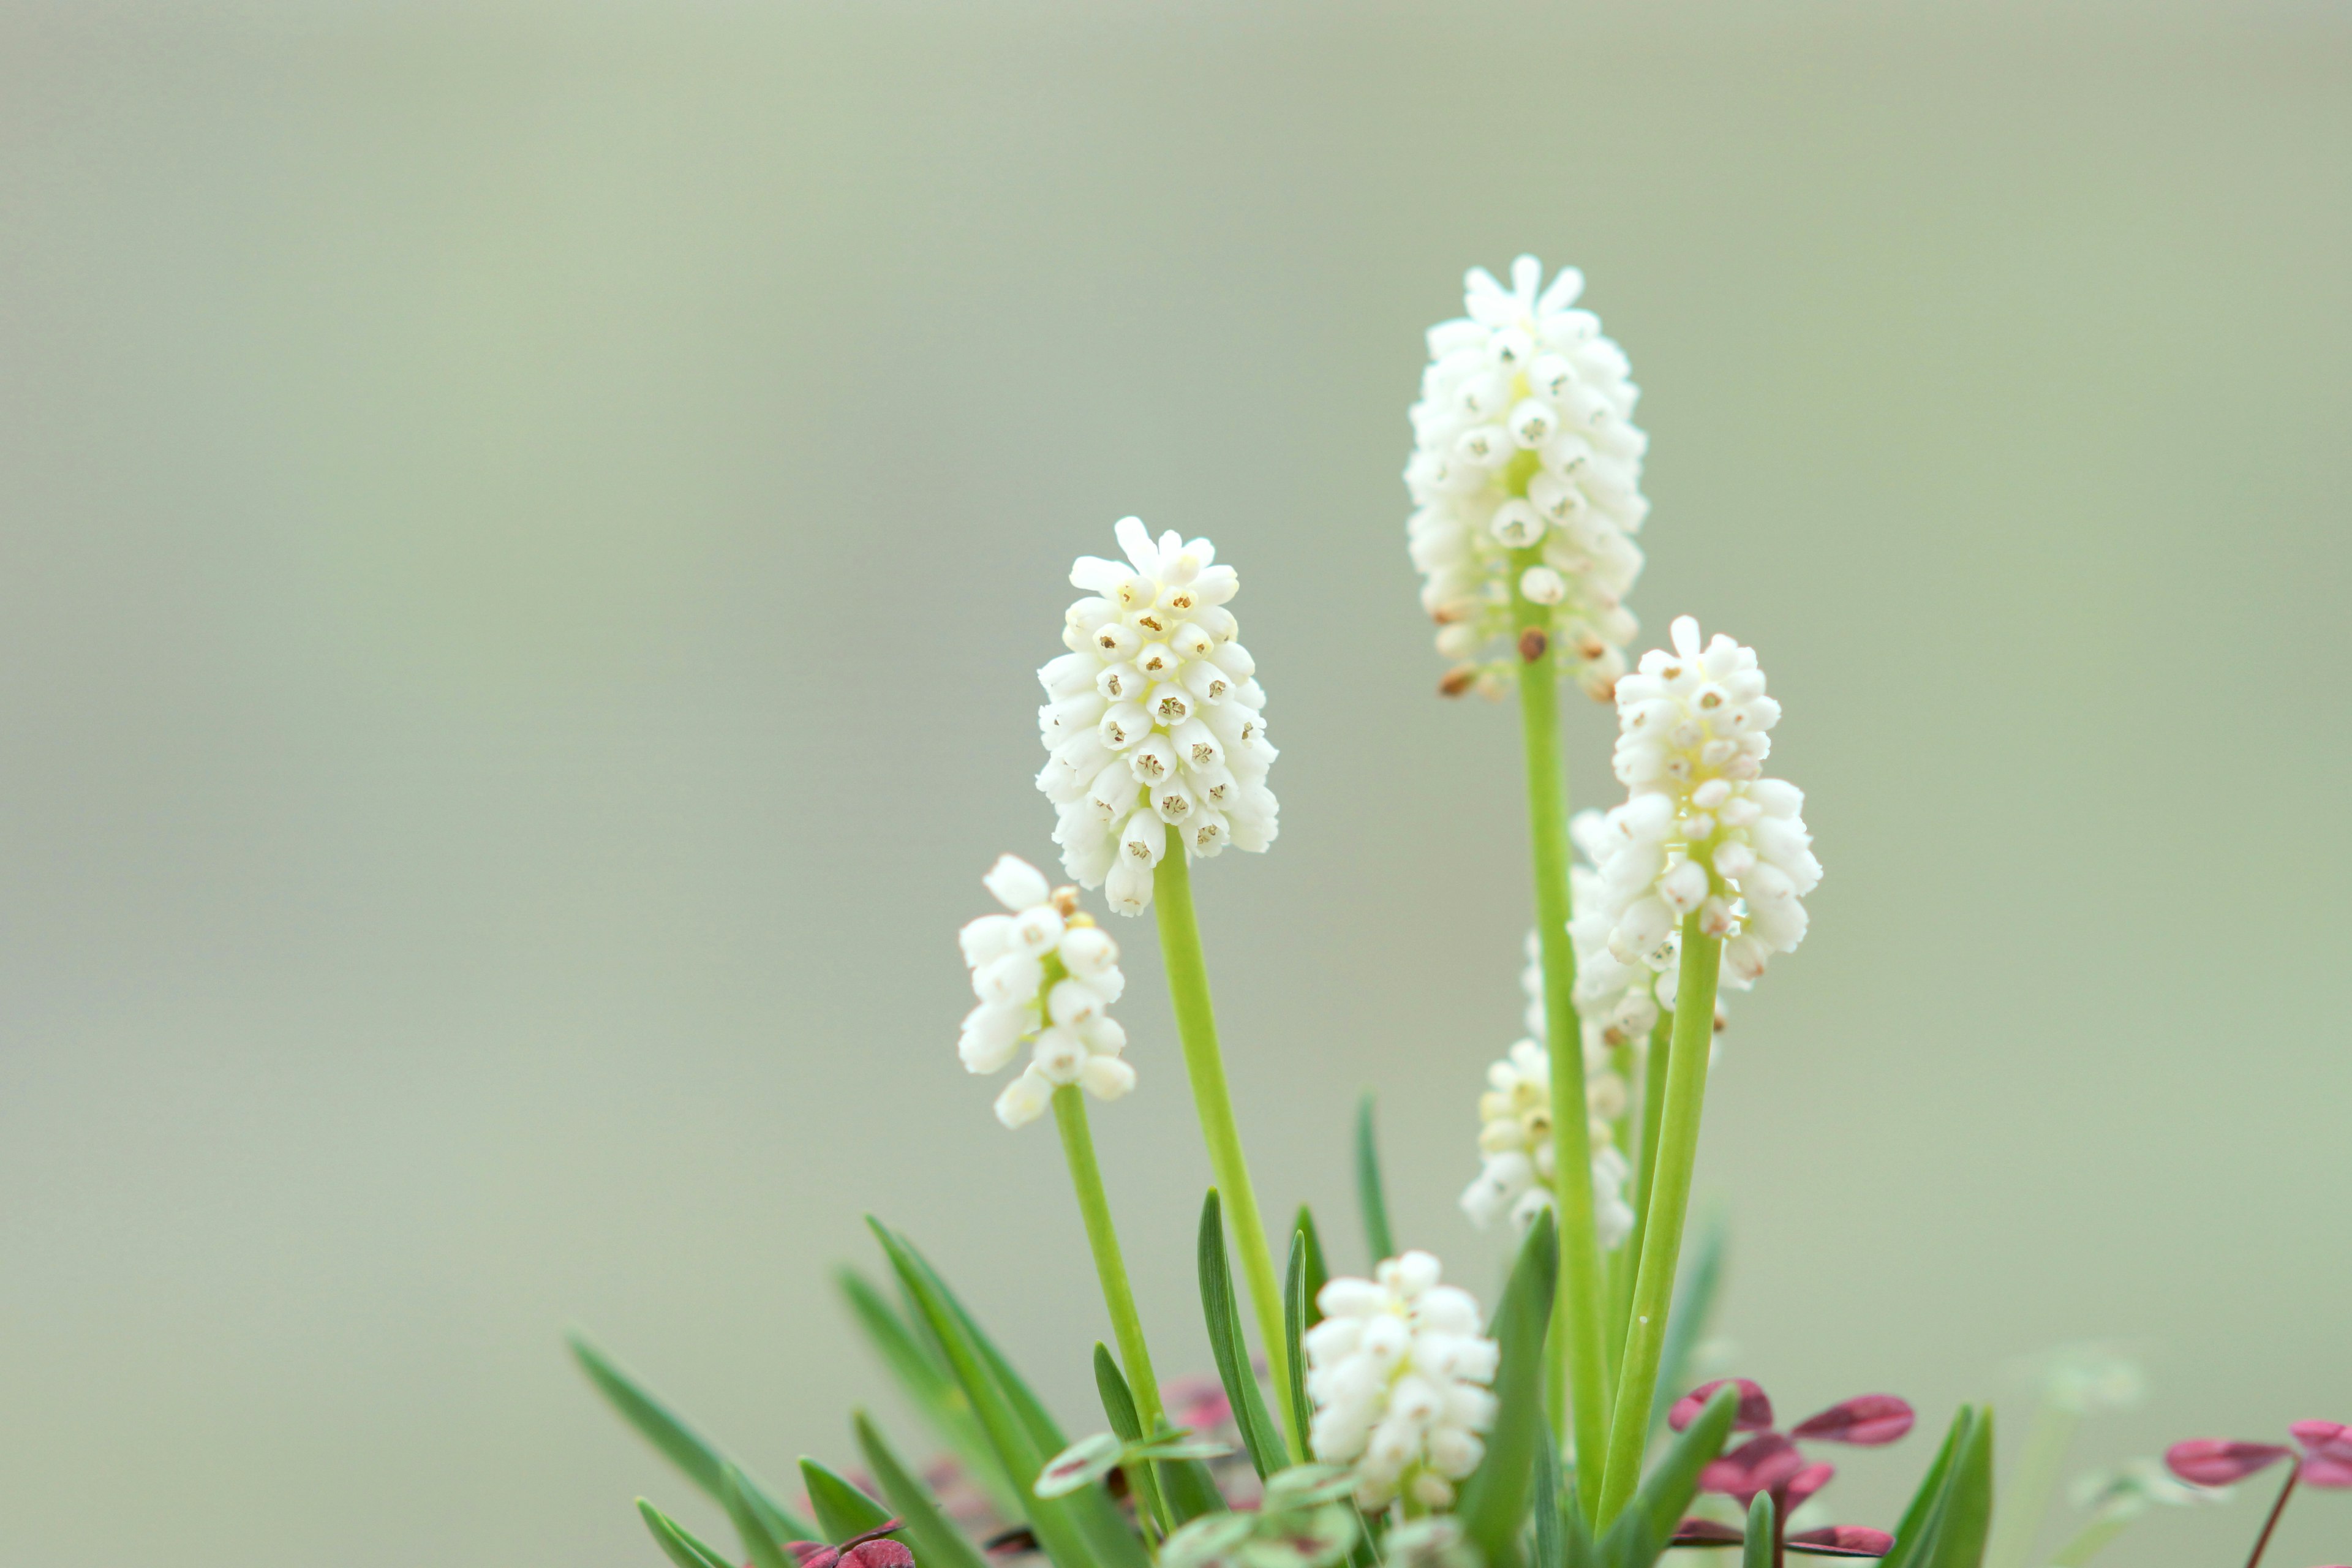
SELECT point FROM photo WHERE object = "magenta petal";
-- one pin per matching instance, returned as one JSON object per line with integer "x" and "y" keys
{"x": 1759, "y": 1465}
{"x": 2214, "y": 1462}
{"x": 2323, "y": 1434}
{"x": 1843, "y": 1541}
{"x": 1867, "y": 1419}
{"x": 1804, "y": 1484}
{"x": 1755, "y": 1410}
{"x": 1705, "y": 1533}
{"x": 2326, "y": 1468}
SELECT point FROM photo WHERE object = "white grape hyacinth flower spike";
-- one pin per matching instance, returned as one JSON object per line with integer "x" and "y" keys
{"x": 1154, "y": 720}
{"x": 1516, "y": 1149}
{"x": 1045, "y": 974}
{"x": 1526, "y": 481}
{"x": 1703, "y": 831}
{"x": 1398, "y": 1372}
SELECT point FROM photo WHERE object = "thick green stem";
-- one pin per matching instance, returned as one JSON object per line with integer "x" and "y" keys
{"x": 1579, "y": 1358}
{"x": 1204, "y": 1065}
{"x": 1668, "y": 1203}
{"x": 2026, "y": 1496}
{"x": 1127, "y": 1325}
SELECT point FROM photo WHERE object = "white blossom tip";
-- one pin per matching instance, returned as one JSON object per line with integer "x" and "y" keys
{"x": 1045, "y": 974}
{"x": 1526, "y": 481}
{"x": 1156, "y": 724}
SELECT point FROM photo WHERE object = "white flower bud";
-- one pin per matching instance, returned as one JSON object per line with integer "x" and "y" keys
{"x": 1524, "y": 371}
{"x": 1154, "y": 714}
{"x": 1088, "y": 950}
{"x": 1542, "y": 585}
{"x": 1023, "y": 1099}
{"x": 1012, "y": 957}
{"x": 1393, "y": 1372}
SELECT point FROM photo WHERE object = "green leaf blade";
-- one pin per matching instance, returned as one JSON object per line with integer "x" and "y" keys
{"x": 1371, "y": 1197}
{"x": 702, "y": 1460}
{"x": 841, "y": 1509}
{"x": 1664, "y": 1494}
{"x": 760, "y": 1541}
{"x": 678, "y": 1542}
{"x": 1756, "y": 1552}
{"x": 1267, "y": 1451}
{"x": 1495, "y": 1502}
{"x": 937, "y": 1543}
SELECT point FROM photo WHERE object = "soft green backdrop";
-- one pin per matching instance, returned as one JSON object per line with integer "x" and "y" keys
{"x": 523, "y": 535}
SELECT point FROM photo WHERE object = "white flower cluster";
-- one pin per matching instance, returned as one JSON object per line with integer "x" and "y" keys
{"x": 1526, "y": 478}
{"x": 1153, "y": 718}
{"x": 1703, "y": 830}
{"x": 1398, "y": 1372}
{"x": 1043, "y": 972}
{"x": 1516, "y": 1144}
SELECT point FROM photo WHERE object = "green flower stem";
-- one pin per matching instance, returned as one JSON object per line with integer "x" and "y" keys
{"x": 1086, "y": 1175}
{"x": 1581, "y": 1360}
{"x": 1668, "y": 1203}
{"x": 1196, "y": 1027}
{"x": 1653, "y": 1113}
{"x": 2025, "y": 1495}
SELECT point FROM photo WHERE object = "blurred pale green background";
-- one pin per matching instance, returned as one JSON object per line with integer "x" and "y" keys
{"x": 526, "y": 532}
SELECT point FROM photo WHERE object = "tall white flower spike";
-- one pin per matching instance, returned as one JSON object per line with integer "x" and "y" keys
{"x": 1514, "y": 1143}
{"x": 1525, "y": 477}
{"x": 1703, "y": 830}
{"x": 1154, "y": 718}
{"x": 1398, "y": 1373}
{"x": 1044, "y": 973}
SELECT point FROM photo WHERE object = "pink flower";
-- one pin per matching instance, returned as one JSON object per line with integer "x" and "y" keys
{"x": 2217, "y": 1462}
{"x": 1771, "y": 1463}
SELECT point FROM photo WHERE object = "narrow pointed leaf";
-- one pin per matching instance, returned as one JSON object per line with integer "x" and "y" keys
{"x": 1318, "y": 1273}
{"x": 1699, "y": 1282}
{"x": 765, "y": 1549}
{"x": 1495, "y": 1501}
{"x": 936, "y": 1542}
{"x": 1917, "y": 1534}
{"x": 1296, "y": 1305}
{"x": 1758, "y": 1551}
{"x": 1664, "y": 1494}
{"x": 1968, "y": 1508}
{"x": 841, "y": 1509}
{"x": 1267, "y": 1451}
{"x": 1551, "y": 1544}
{"x": 1369, "y": 1197}
{"x": 1081, "y": 1531}
{"x": 912, "y": 1357}
{"x": 702, "y": 1461}
{"x": 1706, "y": 1532}
{"x": 1118, "y": 1408}
{"x": 1576, "y": 1536}
{"x": 678, "y": 1542}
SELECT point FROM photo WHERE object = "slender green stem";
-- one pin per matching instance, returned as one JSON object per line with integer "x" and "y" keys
{"x": 1668, "y": 1202}
{"x": 1127, "y": 1325}
{"x": 1653, "y": 1111}
{"x": 2025, "y": 1494}
{"x": 1205, "y": 1064}
{"x": 1579, "y": 1358}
